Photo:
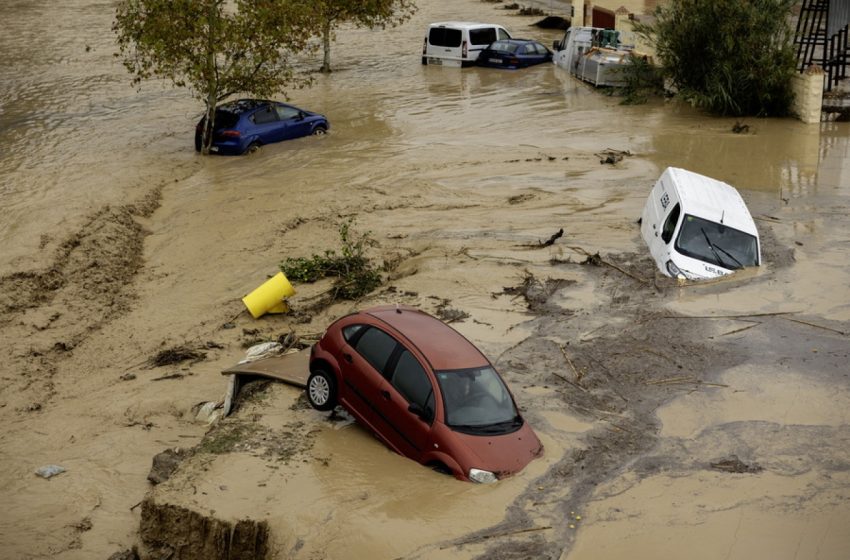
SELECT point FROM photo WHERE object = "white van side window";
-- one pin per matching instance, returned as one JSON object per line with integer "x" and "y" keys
{"x": 444, "y": 37}
{"x": 670, "y": 223}
{"x": 503, "y": 35}
{"x": 483, "y": 36}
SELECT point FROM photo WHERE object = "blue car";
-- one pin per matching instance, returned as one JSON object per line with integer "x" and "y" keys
{"x": 245, "y": 125}
{"x": 514, "y": 53}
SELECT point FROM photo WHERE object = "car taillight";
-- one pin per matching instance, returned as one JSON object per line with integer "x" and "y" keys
{"x": 513, "y": 61}
{"x": 425, "y": 46}
{"x": 464, "y": 49}
{"x": 231, "y": 133}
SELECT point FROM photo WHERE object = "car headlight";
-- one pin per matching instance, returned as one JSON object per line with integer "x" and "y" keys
{"x": 483, "y": 477}
{"x": 675, "y": 271}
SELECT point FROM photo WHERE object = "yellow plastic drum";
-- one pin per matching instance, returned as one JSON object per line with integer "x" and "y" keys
{"x": 268, "y": 298}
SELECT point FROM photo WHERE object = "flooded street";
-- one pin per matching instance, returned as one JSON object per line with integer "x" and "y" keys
{"x": 118, "y": 241}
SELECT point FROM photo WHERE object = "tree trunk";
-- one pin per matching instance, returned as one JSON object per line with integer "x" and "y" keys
{"x": 326, "y": 40}
{"x": 211, "y": 78}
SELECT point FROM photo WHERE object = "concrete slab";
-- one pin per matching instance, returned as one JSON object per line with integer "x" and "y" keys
{"x": 293, "y": 368}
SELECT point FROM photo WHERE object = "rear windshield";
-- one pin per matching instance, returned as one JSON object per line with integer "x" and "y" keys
{"x": 717, "y": 244}
{"x": 225, "y": 119}
{"x": 504, "y": 47}
{"x": 444, "y": 37}
{"x": 483, "y": 36}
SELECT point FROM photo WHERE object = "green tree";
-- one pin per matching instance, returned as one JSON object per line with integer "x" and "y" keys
{"x": 730, "y": 57}
{"x": 330, "y": 14}
{"x": 216, "y": 48}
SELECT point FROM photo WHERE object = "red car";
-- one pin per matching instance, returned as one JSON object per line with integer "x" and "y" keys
{"x": 424, "y": 390}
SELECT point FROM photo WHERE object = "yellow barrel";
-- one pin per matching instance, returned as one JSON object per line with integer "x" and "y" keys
{"x": 268, "y": 298}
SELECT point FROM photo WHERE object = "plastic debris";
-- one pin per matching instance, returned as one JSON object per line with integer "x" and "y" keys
{"x": 49, "y": 471}
{"x": 262, "y": 350}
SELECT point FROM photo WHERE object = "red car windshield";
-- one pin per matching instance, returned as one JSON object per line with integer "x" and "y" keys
{"x": 477, "y": 400}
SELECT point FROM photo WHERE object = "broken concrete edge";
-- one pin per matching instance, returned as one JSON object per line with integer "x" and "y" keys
{"x": 189, "y": 534}
{"x": 291, "y": 368}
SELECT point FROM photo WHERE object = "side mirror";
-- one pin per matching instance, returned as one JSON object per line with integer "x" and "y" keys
{"x": 301, "y": 115}
{"x": 424, "y": 414}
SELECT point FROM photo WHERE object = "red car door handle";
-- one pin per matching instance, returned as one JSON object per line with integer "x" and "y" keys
{"x": 386, "y": 394}
{"x": 347, "y": 357}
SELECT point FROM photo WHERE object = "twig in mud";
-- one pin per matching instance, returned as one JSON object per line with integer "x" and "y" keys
{"x": 742, "y": 329}
{"x": 742, "y": 317}
{"x": 830, "y": 329}
{"x": 768, "y": 219}
{"x": 135, "y": 506}
{"x": 672, "y": 380}
{"x": 704, "y": 384}
{"x": 610, "y": 264}
{"x": 498, "y": 535}
{"x": 563, "y": 350}
{"x": 564, "y": 377}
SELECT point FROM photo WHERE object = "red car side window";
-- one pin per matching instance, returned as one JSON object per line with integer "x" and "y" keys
{"x": 410, "y": 379}
{"x": 376, "y": 347}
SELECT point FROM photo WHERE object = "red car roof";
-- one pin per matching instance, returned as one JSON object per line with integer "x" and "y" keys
{"x": 443, "y": 347}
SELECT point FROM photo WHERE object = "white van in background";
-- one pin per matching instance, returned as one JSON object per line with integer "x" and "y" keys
{"x": 458, "y": 43}
{"x": 697, "y": 227}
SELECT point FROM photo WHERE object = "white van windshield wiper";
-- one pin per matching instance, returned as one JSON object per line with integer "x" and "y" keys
{"x": 725, "y": 252}
{"x": 716, "y": 254}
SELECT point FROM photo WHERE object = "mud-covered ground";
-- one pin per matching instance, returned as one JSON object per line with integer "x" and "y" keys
{"x": 701, "y": 420}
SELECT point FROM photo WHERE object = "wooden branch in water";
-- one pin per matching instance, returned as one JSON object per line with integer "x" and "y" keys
{"x": 570, "y": 362}
{"x": 742, "y": 329}
{"x": 830, "y": 329}
{"x": 672, "y": 380}
{"x": 743, "y": 316}
{"x": 564, "y": 377}
{"x": 610, "y": 264}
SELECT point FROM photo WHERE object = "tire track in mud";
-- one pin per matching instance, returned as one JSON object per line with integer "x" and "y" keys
{"x": 87, "y": 284}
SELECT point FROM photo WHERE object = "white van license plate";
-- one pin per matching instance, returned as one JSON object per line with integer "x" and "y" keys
{"x": 437, "y": 61}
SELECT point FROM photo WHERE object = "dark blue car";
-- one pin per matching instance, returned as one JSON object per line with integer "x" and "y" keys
{"x": 514, "y": 53}
{"x": 245, "y": 125}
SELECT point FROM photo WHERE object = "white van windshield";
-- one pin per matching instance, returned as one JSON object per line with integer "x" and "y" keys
{"x": 717, "y": 244}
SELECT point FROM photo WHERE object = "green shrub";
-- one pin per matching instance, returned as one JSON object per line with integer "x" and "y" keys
{"x": 730, "y": 57}
{"x": 355, "y": 274}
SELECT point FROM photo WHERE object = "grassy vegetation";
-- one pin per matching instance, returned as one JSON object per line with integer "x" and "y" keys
{"x": 355, "y": 273}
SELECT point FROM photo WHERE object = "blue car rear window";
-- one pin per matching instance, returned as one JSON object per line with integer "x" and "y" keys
{"x": 504, "y": 47}
{"x": 225, "y": 119}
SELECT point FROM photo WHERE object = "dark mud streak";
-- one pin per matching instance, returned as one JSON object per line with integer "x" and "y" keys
{"x": 626, "y": 376}
{"x": 88, "y": 284}
{"x": 620, "y": 374}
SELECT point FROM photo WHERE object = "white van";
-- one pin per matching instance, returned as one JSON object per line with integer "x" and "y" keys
{"x": 458, "y": 43}
{"x": 697, "y": 227}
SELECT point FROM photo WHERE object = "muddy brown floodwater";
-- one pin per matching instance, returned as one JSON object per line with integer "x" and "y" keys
{"x": 118, "y": 242}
